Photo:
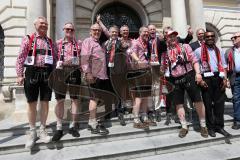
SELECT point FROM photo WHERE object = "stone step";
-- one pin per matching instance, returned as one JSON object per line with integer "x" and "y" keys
{"x": 14, "y": 144}
{"x": 136, "y": 147}
{"x": 216, "y": 152}
{"x": 7, "y": 128}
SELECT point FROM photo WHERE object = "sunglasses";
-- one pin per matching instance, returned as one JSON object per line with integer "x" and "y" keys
{"x": 69, "y": 29}
{"x": 210, "y": 36}
{"x": 234, "y": 38}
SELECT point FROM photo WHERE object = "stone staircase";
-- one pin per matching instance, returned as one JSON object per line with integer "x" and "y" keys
{"x": 123, "y": 142}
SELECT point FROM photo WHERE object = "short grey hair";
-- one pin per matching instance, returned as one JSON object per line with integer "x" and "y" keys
{"x": 141, "y": 29}
{"x": 40, "y": 17}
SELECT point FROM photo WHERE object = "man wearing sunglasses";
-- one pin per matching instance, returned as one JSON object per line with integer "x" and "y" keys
{"x": 233, "y": 60}
{"x": 67, "y": 64}
{"x": 93, "y": 64}
{"x": 214, "y": 73}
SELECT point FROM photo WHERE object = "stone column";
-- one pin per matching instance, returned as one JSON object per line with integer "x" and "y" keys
{"x": 196, "y": 15}
{"x": 179, "y": 19}
{"x": 64, "y": 13}
{"x": 35, "y": 9}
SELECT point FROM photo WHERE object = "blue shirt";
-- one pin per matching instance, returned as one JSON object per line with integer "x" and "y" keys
{"x": 213, "y": 59}
{"x": 237, "y": 59}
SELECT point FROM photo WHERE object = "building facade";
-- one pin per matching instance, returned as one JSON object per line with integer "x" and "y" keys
{"x": 17, "y": 16}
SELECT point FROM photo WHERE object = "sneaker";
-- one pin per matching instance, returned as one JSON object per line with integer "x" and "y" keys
{"x": 183, "y": 132}
{"x": 102, "y": 130}
{"x": 32, "y": 137}
{"x": 92, "y": 129}
{"x": 140, "y": 125}
{"x": 204, "y": 132}
{"x": 57, "y": 135}
{"x": 43, "y": 136}
{"x": 150, "y": 123}
{"x": 74, "y": 132}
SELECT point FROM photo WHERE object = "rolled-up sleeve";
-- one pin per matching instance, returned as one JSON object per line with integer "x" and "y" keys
{"x": 134, "y": 47}
{"x": 191, "y": 56}
{"x": 23, "y": 52}
{"x": 85, "y": 56}
{"x": 224, "y": 63}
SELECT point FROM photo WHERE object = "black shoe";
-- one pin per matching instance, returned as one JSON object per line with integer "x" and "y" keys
{"x": 102, "y": 130}
{"x": 74, "y": 132}
{"x": 57, "y": 135}
{"x": 211, "y": 133}
{"x": 158, "y": 116}
{"x": 168, "y": 119}
{"x": 121, "y": 119}
{"x": 93, "y": 130}
{"x": 236, "y": 125}
{"x": 223, "y": 132}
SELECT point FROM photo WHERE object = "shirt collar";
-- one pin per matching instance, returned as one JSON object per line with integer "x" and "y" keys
{"x": 38, "y": 36}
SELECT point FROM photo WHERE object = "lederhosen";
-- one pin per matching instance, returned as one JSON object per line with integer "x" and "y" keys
{"x": 185, "y": 82}
{"x": 36, "y": 78}
{"x": 68, "y": 76}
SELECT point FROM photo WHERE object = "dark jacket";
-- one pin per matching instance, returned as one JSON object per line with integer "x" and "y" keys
{"x": 195, "y": 45}
{"x": 161, "y": 47}
{"x": 230, "y": 74}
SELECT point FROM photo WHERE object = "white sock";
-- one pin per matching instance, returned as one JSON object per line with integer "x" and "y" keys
{"x": 202, "y": 122}
{"x": 184, "y": 124}
{"x": 92, "y": 123}
{"x": 42, "y": 127}
{"x": 136, "y": 119}
{"x": 59, "y": 125}
{"x": 145, "y": 117}
{"x": 32, "y": 128}
{"x": 72, "y": 124}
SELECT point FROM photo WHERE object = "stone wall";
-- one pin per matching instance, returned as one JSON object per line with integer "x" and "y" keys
{"x": 225, "y": 20}
{"x": 13, "y": 21}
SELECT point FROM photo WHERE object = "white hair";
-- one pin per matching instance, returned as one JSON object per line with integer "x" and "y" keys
{"x": 40, "y": 17}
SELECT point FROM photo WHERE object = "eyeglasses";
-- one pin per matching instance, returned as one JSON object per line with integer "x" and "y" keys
{"x": 210, "y": 36}
{"x": 69, "y": 29}
{"x": 235, "y": 37}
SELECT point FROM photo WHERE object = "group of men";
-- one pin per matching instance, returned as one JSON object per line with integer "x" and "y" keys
{"x": 201, "y": 69}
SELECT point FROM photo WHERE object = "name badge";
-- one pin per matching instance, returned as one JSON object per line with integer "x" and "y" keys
{"x": 48, "y": 59}
{"x": 145, "y": 53}
{"x": 29, "y": 61}
{"x": 110, "y": 64}
{"x": 208, "y": 74}
{"x": 221, "y": 74}
{"x": 154, "y": 60}
{"x": 75, "y": 61}
{"x": 59, "y": 65}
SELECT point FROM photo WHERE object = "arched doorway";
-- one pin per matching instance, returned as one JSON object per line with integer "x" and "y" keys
{"x": 1, "y": 53}
{"x": 120, "y": 14}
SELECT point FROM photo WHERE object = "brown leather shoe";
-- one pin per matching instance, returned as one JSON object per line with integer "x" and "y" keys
{"x": 204, "y": 132}
{"x": 183, "y": 132}
{"x": 140, "y": 125}
{"x": 150, "y": 123}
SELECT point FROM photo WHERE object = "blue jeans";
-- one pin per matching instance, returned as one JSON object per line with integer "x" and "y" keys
{"x": 236, "y": 99}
